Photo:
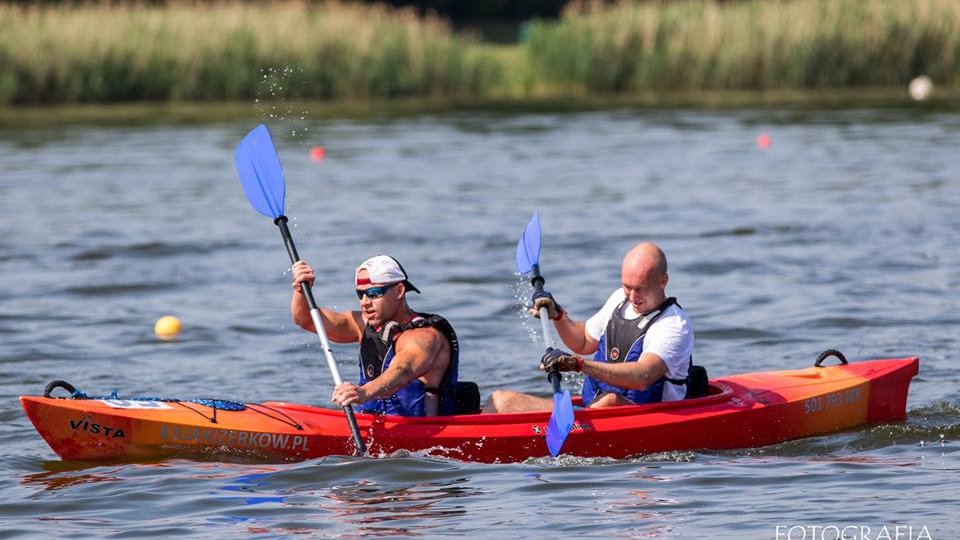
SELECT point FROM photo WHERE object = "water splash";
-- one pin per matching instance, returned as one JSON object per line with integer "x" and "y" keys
{"x": 522, "y": 290}
{"x": 277, "y": 93}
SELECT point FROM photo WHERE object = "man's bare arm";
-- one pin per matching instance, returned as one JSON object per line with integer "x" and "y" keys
{"x": 340, "y": 326}
{"x": 574, "y": 335}
{"x": 415, "y": 354}
{"x": 635, "y": 375}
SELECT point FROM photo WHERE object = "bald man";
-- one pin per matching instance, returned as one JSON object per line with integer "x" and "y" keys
{"x": 641, "y": 342}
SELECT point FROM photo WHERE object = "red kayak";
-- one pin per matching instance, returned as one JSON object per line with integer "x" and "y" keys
{"x": 741, "y": 411}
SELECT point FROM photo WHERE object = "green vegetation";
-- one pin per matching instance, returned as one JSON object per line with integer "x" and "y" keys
{"x": 103, "y": 53}
{"x": 238, "y": 50}
{"x": 759, "y": 44}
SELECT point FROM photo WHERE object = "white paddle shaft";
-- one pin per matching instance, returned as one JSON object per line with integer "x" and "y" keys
{"x": 325, "y": 345}
{"x": 544, "y": 317}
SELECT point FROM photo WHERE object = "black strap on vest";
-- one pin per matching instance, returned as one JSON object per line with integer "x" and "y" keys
{"x": 681, "y": 381}
{"x": 375, "y": 345}
{"x": 624, "y": 334}
{"x": 373, "y": 350}
{"x": 657, "y": 313}
{"x": 667, "y": 303}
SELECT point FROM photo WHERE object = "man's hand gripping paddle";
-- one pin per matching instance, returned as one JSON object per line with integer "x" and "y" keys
{"x": 263, "y": 182}
{"x": 528, "y": 260}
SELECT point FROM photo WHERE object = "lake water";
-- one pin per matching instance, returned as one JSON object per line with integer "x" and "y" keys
{"x": 842, "y": 234}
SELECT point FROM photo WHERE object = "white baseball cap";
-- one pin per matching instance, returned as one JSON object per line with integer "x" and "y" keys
{"x": 383, "y": 269}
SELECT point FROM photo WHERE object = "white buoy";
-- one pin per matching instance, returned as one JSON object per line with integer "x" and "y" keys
{"x": 920, "y": 88}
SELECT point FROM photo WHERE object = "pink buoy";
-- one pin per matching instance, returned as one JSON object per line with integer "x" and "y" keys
{"x": 764, "y": 141}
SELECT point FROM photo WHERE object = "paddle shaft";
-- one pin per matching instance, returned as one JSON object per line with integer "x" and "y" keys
{"x": 281, "y": 222}
{"x": 562, "y": 416}
{"x": 554, "y": 377}
{"x": 537, "y": 281}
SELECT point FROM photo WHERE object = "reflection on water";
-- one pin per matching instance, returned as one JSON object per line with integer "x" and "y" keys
{"x": 75, "y": 521}
{"x": 249, "y": 484}
{"x": 647, "y": 516}
{"x": 65, "y": 474}
{"x": 373, "y": 507}
{"x": 53, "y": 481}
{"x": 367, "y": 507}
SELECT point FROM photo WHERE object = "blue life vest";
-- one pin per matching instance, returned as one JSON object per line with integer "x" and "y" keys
{"x": 622, "y": 341}
{"x": 376, "y": 353}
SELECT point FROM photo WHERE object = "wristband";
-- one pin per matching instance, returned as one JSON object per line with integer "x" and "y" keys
{"x": 561, "y": 313}
{"x": 579, "y": 364}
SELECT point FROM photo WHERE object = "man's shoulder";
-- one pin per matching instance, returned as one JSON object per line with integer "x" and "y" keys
{"x": 422, "y": 335}
{"x": 613, "y": 301}
{"x": 671, "y": 338}
{"x": 597, "y": 323}
{"x": 431, "y": 320}
{"x": 617, "y": 295}
{"x": 672, "y": 316}
{"x": 675, "y": 309}
{"x": 425, "y": 344}
{"x": 426, "y": 330}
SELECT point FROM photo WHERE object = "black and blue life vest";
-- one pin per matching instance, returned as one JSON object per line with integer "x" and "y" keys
{"x": 623, "y": 342}
{"x": 376, "y": 352}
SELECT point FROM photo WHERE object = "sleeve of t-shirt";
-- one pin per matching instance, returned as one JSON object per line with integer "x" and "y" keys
{"x": 671, "y": 338}
{"x": 597, "y": 324}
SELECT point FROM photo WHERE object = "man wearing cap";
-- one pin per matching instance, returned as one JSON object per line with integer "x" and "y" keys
{"x": 408, "y": 360}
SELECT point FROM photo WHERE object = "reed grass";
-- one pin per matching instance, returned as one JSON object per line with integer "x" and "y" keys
{"x": 758, "y": 44}
{"x": 204, "y": 51}
{"x": 183, "y": 50}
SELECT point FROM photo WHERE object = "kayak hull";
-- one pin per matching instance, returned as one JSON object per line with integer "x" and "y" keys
{"x": 742, "y": 411}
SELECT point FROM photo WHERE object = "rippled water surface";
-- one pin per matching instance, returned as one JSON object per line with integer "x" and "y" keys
{"x": 843, "y": 234}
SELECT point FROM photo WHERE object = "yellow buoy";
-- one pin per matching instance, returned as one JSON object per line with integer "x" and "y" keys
{"x": 167, "y": 327}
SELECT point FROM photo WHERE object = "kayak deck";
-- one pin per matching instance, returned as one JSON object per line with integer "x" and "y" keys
{"x": 742, "y": 411}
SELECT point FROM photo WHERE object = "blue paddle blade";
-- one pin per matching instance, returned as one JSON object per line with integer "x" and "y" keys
{"x": 561, "y": 422}
{"x": 528, "y": 248}
{"x": 261, "y": 173}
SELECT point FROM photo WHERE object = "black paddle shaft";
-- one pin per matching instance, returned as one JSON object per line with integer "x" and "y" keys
{"x": 554, "y": 377}
{"x": 537, "y": 280}
{"x": 294, "y": 257}
{"x": 281, "y": 222}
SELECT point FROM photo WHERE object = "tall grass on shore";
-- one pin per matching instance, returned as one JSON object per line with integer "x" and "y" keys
{"x": 203, "y": 51}
{"x": 754, "y": 44}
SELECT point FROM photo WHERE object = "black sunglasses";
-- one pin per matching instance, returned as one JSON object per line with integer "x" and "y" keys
{"x": 375, "y": 292}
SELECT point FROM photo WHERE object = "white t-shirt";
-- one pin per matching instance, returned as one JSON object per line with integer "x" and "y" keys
{"x": 670, "y": 337}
